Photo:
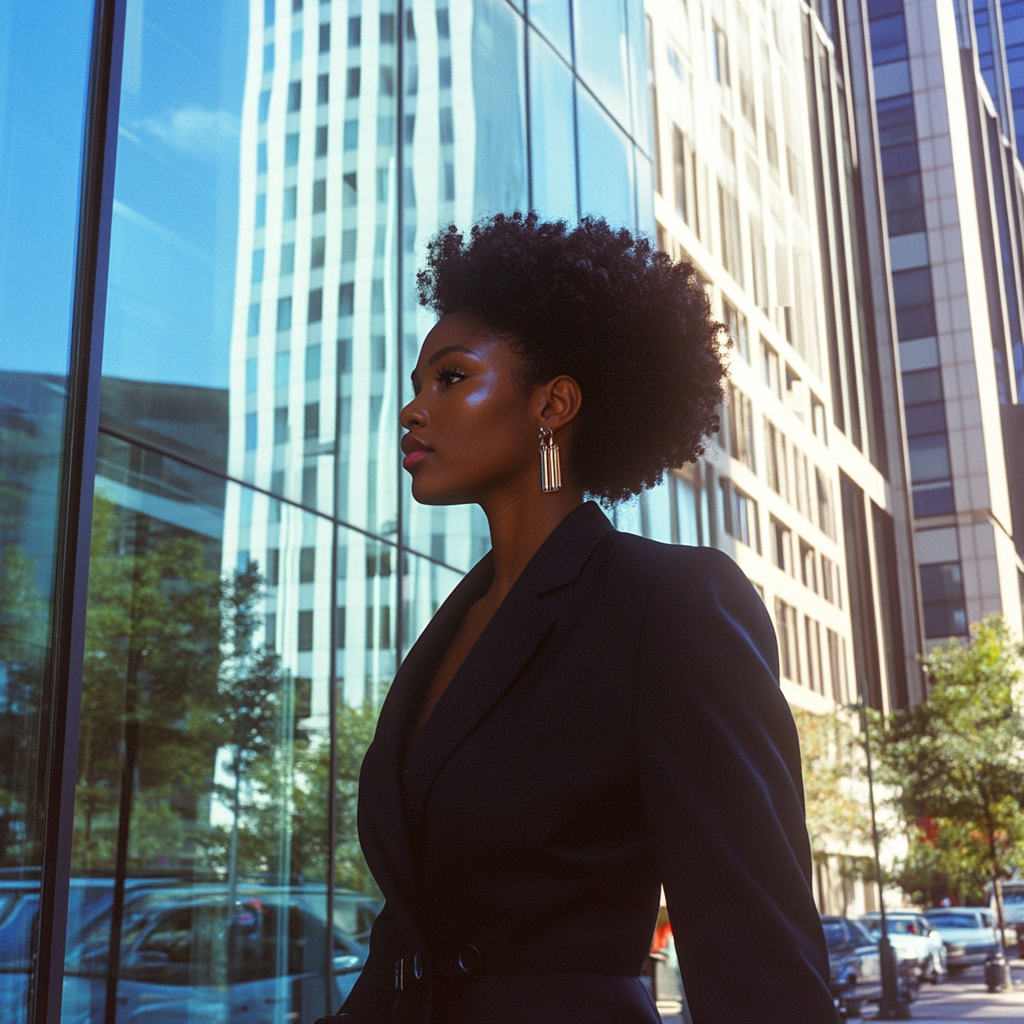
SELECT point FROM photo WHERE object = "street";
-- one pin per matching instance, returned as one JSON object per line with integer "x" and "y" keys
{"x": 962, "y": 998}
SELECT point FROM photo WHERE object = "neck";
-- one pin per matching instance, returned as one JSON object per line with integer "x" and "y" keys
{"x": 519, "y": 525}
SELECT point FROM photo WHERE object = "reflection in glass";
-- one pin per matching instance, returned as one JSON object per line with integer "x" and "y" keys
{"x": 606, "y": 164}
{"x": 42, "y": 103}
{"x": 552, "y": 138}
{"x": 175, "y": 233}
{"x": 602, "y": 58}
{"x": 475, "y": 169}
{"x": 202, "y": 787}
{"x": 552, "y": 18}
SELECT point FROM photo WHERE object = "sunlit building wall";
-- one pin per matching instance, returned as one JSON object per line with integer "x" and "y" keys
{"x": 754, "y": 183}
{"x": 934, "y": 102}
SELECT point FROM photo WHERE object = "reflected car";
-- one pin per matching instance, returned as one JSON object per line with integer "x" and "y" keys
{"x": 913, "y": 938}
{"x": 19, "y": 909}
{"x": 855, "y": 969}
{"x": 968, "y": 934}
{"x": 187, "y": 955}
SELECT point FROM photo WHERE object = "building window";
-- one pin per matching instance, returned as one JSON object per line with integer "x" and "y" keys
{"x": 307, "y": 565}
{"x": 782, "y": 545}
{"x": 287, "y": 259}
{"x": 736, "y": 325}
{"x": 305, "y": 631}
{"x": 720, "y": 54}
{"x": 290, "y": 204}
{"x": 770, "y": 376}
{"x": 317, "y": 251}
{"x": 830, "y": 580}
{"x": 789, "y": 640}
{"x": 741, "y": 427}
{"x": 281, "y": 425}
{"x": 739, "y": 515}
{"x": 812, "y": 633}
{"x": 291, "y": 150}
{"x": 942, "y": 596}
{"x": 251, "y": 435}
{"x": 294, "y": 96}
{"x": 284, "y": 313}
{"x": 808, "y": 566}
{"x": 319, "y": 196}
{"x": 775, "y": 459}
{"x": 316, "y": 306}
{"x": 325, "y": 38}
{"x": 355, "y": 31}
{"x": 679, "y": 172}
{"x": 322, "y": 89}
{"x": 312, "y": 421}
{"x": 835, "y": 666}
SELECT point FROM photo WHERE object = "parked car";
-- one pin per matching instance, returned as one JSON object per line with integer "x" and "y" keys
{"x": 967, "y": 933}
{"x": 187, "y": 955}
{"x": 855, "y": 970}
{"x": 913, "y": 937}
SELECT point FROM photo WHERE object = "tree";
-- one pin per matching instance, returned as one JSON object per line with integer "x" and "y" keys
{"x": 958, "y": 758}
{"x": 832, "y": 762}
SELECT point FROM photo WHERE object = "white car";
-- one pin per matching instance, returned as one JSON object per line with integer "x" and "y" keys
{"x": 967, "y": 932}
{"x": 911, "y": 936}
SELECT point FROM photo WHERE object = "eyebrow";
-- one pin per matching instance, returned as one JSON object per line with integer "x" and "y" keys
{"x": 449, "y": 348}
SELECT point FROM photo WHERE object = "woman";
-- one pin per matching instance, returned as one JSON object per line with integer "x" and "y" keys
{"x": 590, "y": 715}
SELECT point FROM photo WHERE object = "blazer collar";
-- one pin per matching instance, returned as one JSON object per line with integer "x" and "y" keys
{"x": 491, "y": 667}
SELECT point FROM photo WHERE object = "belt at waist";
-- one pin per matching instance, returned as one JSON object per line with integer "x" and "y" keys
{"x": 467, "y": 960}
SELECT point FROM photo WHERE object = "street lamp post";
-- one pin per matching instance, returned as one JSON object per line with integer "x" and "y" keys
{"x": 891, "y": 1006}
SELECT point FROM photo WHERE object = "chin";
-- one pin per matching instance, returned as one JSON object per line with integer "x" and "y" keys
{"x": 434, "y": 493}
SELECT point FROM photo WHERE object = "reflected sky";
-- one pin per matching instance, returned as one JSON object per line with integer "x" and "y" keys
{"x": 41, "y": 117}
{"x": 174, "y": 233}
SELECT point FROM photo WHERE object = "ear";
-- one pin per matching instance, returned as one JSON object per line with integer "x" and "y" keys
{"x": 558, "y": 402}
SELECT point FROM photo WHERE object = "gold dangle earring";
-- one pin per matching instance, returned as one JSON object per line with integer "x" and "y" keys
{"x": 550, "y": 463}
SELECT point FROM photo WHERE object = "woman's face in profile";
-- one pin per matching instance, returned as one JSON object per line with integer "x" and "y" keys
{"x": 471, "y": 430}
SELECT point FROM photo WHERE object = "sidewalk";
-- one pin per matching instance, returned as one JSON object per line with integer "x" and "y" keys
{"x": 963, "y": 998}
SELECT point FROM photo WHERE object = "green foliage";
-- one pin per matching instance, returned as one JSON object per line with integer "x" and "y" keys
{"x": 833, "y": 767}
{"x": 958, "y": 758}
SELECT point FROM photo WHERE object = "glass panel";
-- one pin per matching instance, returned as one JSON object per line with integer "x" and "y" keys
{"x": 42, "y": 107}
{"x": 656, "y": 511}
{"x": 425, "y": 586}
{"x": 553, "y": 138}
{"x": 206, "y": 686}
{"x": 645, "y": 222}
{"x": 552, "y": 18}
{"x": 469, "y": 162}
{"x": 174, "y": 236}
{"x": 601, "y": 53}
{"x": 686, "y": 511}
{"x": 606, "y": 165}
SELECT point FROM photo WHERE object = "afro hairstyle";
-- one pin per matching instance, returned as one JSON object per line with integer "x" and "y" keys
{"x": 605, "y": 307}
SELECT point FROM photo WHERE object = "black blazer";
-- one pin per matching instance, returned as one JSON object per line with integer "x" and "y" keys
{"x": 618, "y": 726}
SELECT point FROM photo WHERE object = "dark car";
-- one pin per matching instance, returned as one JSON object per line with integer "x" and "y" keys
{"x": 855, "y": 969}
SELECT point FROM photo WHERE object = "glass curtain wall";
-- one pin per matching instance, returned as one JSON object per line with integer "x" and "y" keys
{"x": 258, "y": 567}
{"x": 42, "y": 111}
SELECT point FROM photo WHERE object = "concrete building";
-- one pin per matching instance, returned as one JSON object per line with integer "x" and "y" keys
{"x": 934, "y": 113}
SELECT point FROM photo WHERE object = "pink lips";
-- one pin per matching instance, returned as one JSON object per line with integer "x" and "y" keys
{"x": 414, "y": 449}
{"x": 413, "y": 457}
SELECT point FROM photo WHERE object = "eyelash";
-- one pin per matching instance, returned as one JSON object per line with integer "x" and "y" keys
{"x": 448, "y": 375}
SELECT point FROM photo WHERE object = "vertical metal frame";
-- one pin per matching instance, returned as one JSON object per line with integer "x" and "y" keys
{"x": 78, "y": 473}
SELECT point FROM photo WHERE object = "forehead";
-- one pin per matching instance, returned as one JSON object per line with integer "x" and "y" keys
{"x": 466, "y": 332}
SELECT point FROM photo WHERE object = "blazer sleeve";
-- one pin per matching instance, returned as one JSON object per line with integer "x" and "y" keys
{"x": 719, "y": 763}
{"x": 372, "y": 999}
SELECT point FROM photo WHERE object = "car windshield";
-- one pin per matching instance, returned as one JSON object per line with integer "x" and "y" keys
{"x": 834, "y": 934}
{"x": 941, "y": 921}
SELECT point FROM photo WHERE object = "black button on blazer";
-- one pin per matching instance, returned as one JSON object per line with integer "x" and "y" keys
{"x": 617, "y": 727}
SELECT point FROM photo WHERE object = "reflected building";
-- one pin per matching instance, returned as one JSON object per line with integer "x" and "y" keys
{"x": 256, "y": 567}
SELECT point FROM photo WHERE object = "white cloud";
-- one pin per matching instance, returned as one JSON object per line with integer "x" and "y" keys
{"x": 195, "y": 129}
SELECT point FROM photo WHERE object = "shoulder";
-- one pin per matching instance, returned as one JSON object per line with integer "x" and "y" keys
{"x": 685, "y": 572}
{"x": 694, "y": 601}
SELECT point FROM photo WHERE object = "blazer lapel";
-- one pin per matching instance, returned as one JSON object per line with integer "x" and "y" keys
{"x": 510, "y": 640}
{"x": 382, "y": 826}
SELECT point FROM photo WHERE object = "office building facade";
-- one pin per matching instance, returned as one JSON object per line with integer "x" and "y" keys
{"x": 211, "y": 440}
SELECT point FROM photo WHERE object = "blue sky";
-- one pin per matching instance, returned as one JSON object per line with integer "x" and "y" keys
{"x": 176, "y": 194}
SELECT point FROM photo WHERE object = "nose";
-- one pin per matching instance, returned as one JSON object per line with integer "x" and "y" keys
{"x": 413, "y": 415}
